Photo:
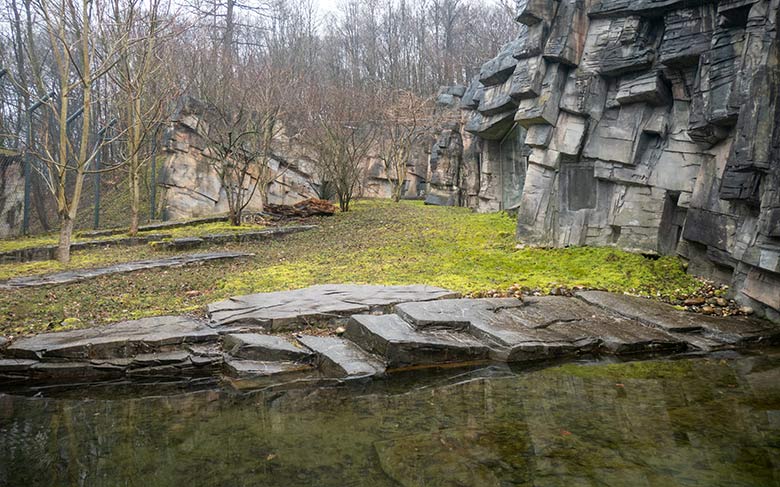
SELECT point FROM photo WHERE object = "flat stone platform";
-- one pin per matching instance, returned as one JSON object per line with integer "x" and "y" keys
{"x": 388, "y": 329}
{"x": 69, "y": 277}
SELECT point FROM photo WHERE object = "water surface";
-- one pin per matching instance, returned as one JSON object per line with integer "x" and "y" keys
{"x": 694, "y": 422}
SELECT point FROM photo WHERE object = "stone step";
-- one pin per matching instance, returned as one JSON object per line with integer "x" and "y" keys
{"x": 125, "y": 339}
{"x": 541, "y": 328}
{"x": 400, "y": 345}
{"x": 342, "y": 358}
{"x": 735, "y": 330}
{"x": 264, "y": 348}
{"x": 327, "y": 303}
{"x": 261, "y": 369}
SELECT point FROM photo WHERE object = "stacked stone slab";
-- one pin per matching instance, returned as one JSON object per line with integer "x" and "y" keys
{"x": 650, "y": 125}
{"x": 388, "y": 329}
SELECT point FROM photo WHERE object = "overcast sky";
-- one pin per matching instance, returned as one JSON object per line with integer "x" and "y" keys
{"x": 326, "y": 5}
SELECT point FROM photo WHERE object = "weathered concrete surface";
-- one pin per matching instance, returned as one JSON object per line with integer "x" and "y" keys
{"x": 120, "y": 340}
{"x": 261, "y": 347}
{"x": 342, "y": 358}
{"x": 290, "y": 309}
{"x": 70, "y": 277}
{"x": 401, "y": 345}
{"x": 11, "y": 194}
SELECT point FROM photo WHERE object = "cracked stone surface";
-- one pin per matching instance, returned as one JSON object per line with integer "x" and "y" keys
{"x": 400, "y": 345}
{"x": 256, "y": 369}
{"x": 69, "y": 277}
{"x": 288, "y": 309}
{"x": 428, "y": 333}
{"x": 256, "y": 346}
{"x": 733, "y": 329}
{"x": 342, "y": 358}
{"x": 125, "y": 339}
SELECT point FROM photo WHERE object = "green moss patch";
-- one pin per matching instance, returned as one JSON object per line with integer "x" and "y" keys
{"x": 378, "y": 242}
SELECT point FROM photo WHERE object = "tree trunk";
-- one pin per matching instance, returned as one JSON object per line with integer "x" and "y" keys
{"x": 66, "y": 233}
{"x": 135, "y": 191}
{"x": 234, "y": 217}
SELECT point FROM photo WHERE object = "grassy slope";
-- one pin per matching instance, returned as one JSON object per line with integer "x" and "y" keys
{"x": 379, "y": 242}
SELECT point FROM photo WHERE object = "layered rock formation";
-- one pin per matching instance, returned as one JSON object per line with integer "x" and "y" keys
{"x": 11, "y": 195}
{"x": 190, "y": 185}
{"x": 648, "y": 125}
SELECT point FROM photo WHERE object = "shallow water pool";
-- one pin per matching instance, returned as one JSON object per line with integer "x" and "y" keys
{"x": 692, "y": 422}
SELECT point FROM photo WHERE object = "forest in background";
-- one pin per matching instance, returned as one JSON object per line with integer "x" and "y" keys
{"x": 90, "y": 87}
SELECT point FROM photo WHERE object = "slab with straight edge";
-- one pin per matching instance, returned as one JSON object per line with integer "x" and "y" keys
{"x": 342, "y": 358}
{"x": 316, "y": 304}
{"x": 125, "y": 339}
{"x": 400, "y": 345}
{"x": 257, "y": 346}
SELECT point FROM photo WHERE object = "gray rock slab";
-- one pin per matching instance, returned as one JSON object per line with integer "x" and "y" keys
{"x": 74, "y": 371}
{"x": 3, "y": 343}
{"x": 731, "y": 329}
{"x": 540, "y": 328}
{"x": 323, "y": 303}
{"x": 401, "y": 345}
{"x": 342, "y": 358}
{"x": 260, "y": 347}
{"x": 16, "y": 365}
{"x": 126, "y": 339}
{"x": 253, "y": 368}
{"x": 70, "y": 277}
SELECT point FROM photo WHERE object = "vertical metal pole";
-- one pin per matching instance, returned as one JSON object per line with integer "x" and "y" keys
{"x": 153, "y": 186}
{"x": 27, "y": 177}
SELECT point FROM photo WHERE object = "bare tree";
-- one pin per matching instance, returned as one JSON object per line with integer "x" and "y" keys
{"x": 405, "y": 120}
{"x": 239, "y": 140}
{"x": 342, "y": 134}
{"x": 79, "y": 61}
{"x": 145, "y": 94}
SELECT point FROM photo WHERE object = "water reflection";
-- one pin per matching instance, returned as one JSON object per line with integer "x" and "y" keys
{"x": 694, "y": 422}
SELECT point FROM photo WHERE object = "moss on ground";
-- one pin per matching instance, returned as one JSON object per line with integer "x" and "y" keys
{"x": 199, "y": 230}
{"x": 379, "y": 242}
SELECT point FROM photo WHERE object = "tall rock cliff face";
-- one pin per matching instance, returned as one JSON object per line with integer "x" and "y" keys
{"x": 649, "y": 125}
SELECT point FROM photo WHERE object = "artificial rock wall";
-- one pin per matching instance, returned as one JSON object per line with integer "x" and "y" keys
{"x": 190, "y": 186}
{"x": 649, "y": 125}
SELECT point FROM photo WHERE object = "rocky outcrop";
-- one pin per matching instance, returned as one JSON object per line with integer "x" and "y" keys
{"x": 190, "y": 185}
{"x": 11, "y": 194}
{"x": 388, "y": 329}
{"x": 647, "y": 125}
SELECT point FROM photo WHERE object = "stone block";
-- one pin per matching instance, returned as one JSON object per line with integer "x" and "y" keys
{"x": 493, "y": 127}
{"x": 496, "y": 99}
{"x": 534, "y": 38}
{"x": 543, "y": 109}
{"x": 687, "y": 34}
{"x": 533, "y": 12}
{"x": 569, "y": 134}
{"x": 567, "y": 33}
{"x": 528, "y": 78}
{"x": 617, "y": 46}
{"x": 648, "y": 88}
{"x": 538, "y": 136}
{"x": 584, "y": 94}
{"x": 500, "y": 68}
